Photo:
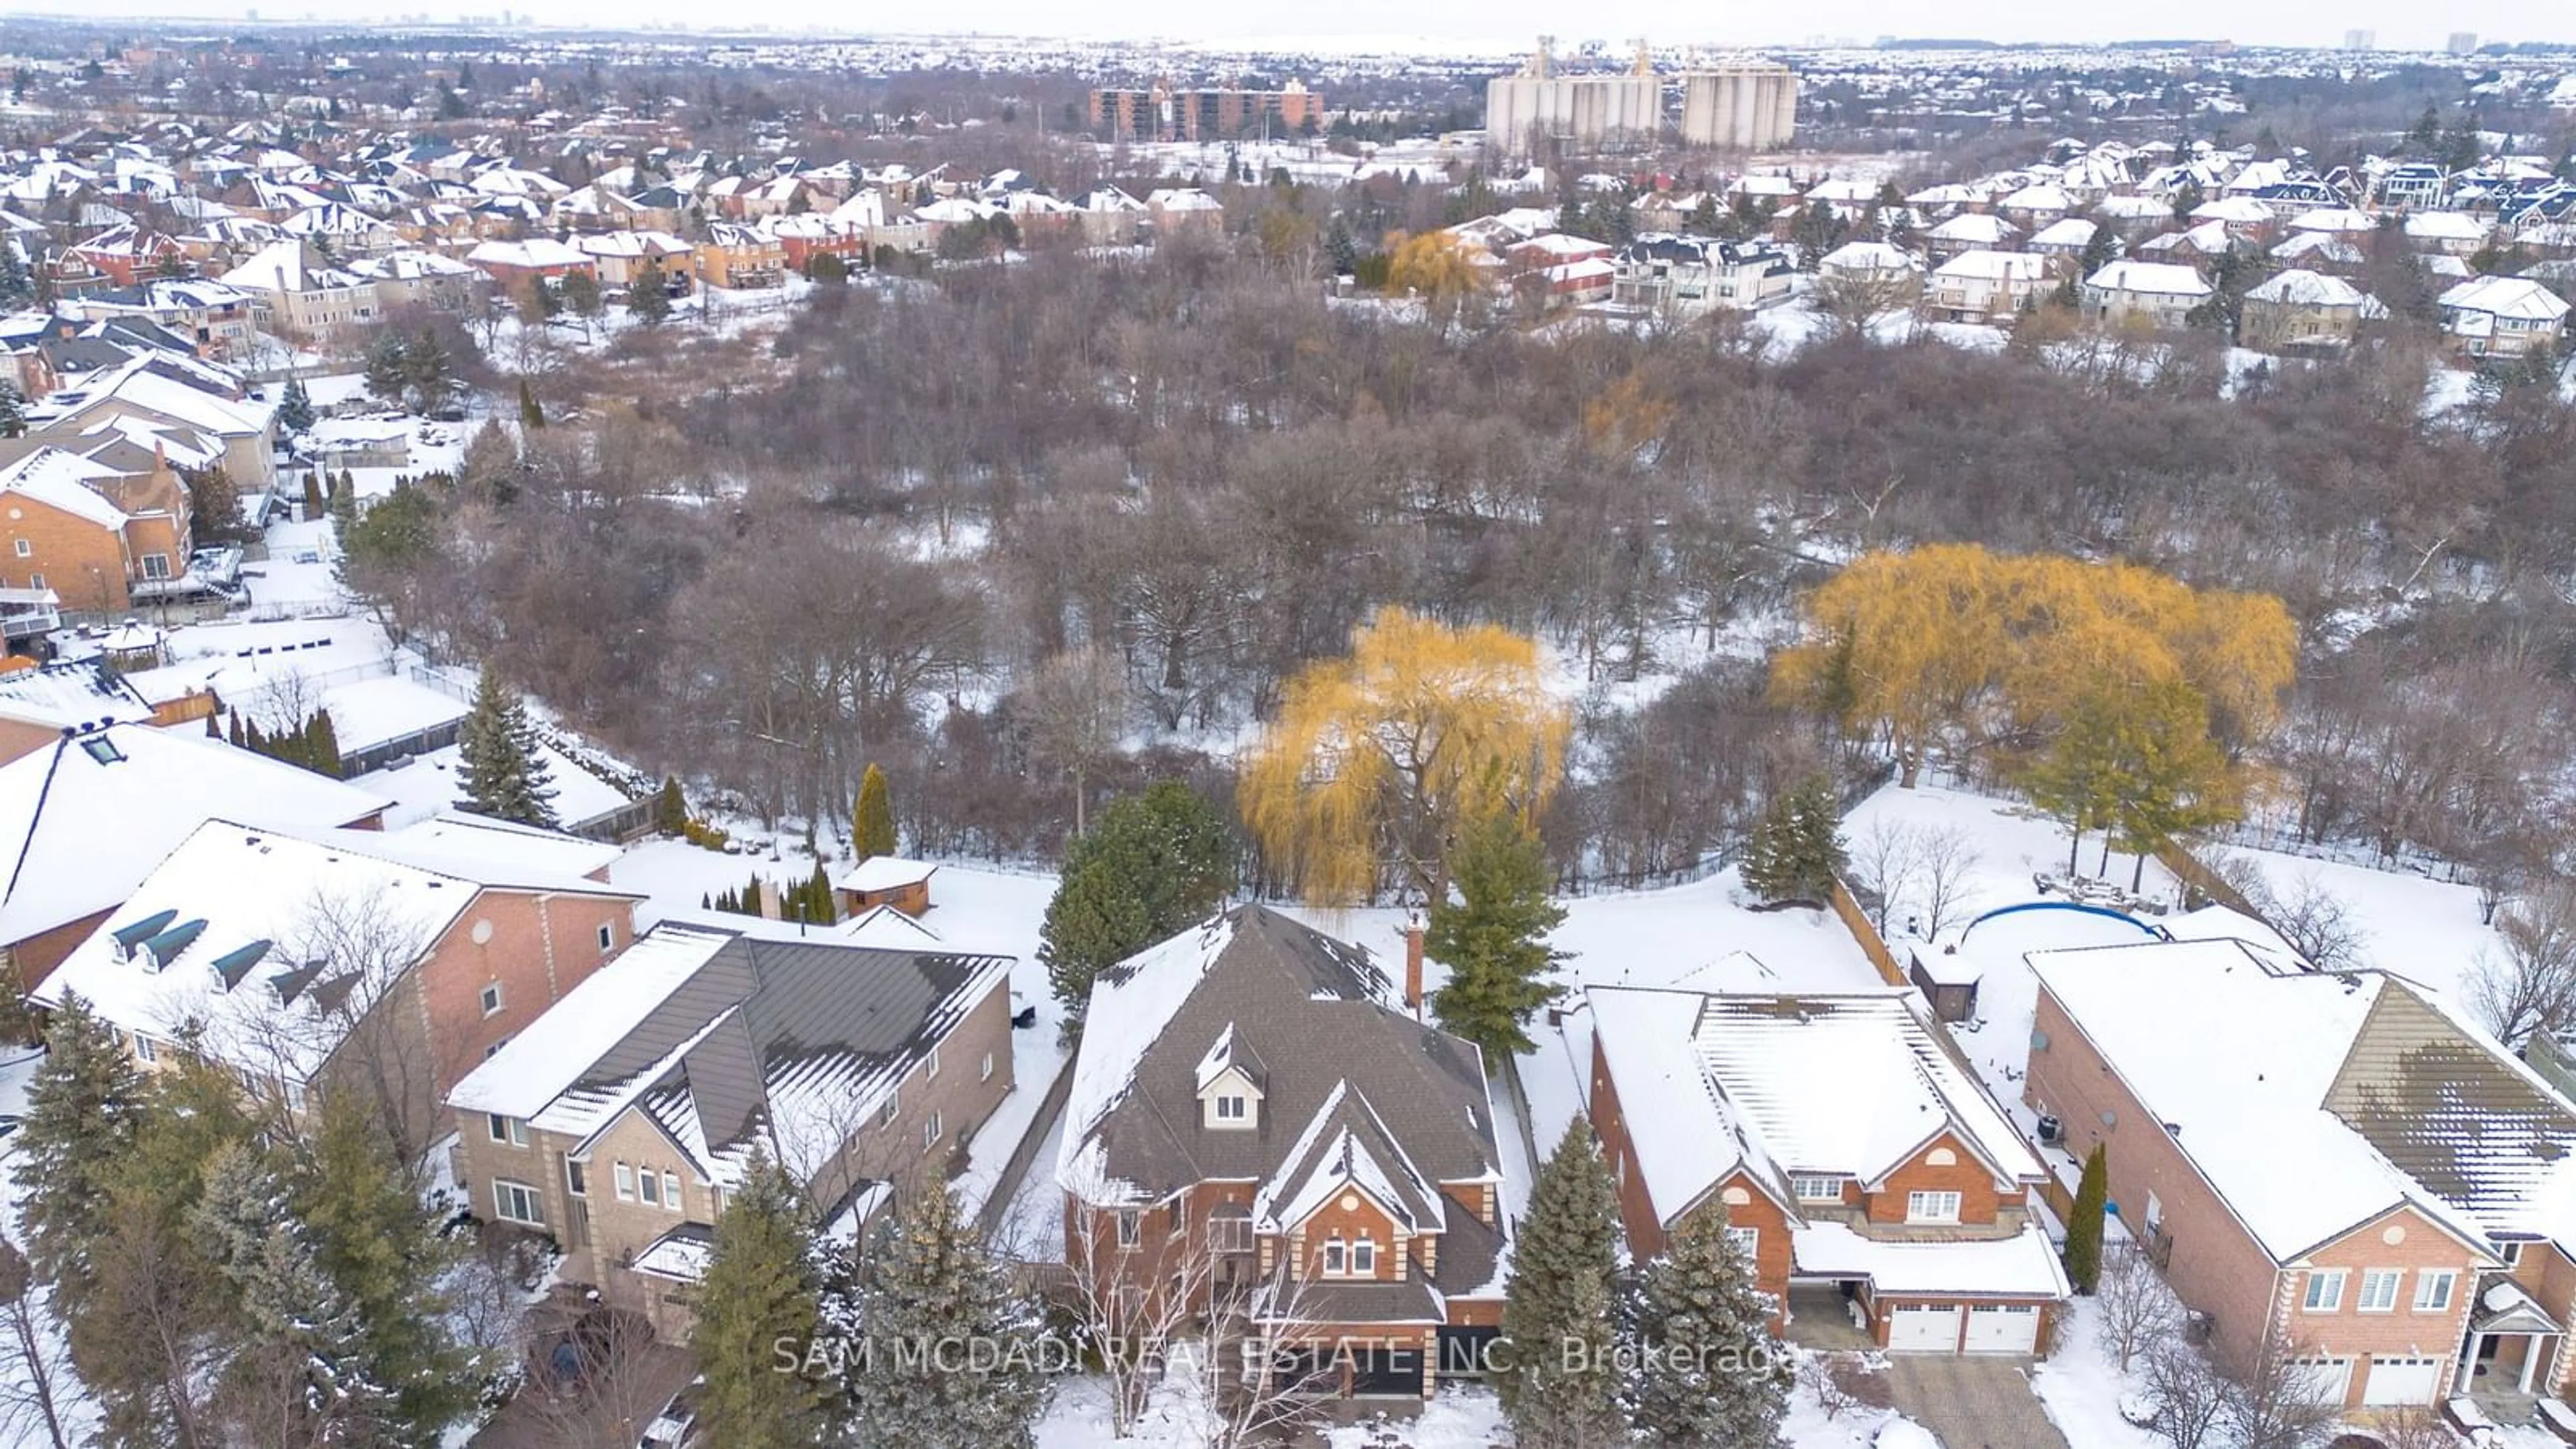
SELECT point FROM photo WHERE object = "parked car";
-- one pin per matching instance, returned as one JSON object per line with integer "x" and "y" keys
{"x": 676, "y": 1426}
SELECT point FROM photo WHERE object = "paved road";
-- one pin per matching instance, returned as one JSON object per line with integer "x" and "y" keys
{"x": 1972, "y": 1403}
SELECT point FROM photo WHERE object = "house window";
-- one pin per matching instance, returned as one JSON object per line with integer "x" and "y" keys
{"x": 1364, "y": 1258}
{"x": 988, "y": 1068}
{"x": 930, "y": 1065}
{"x": 2511, "y": 1253}
{"x": 35, "y": 581}
{"x": 649, "y": 1183}
{"x": 625, "y": 1183}
{"x": 492, "y": 999}
{"x": 25, "y": 549}
{"x": 886, "y": 1113}
{"x": 494, "y": 1049}
{"x": 2379, "y": 1290}
{"x": 1745, "y": 1241}
{"x": 1817, "y": 1189}
{"x": 2433, "y": 1291}
{"x": 156, "y": 566}
{"x": 1229, "y": 1109}
{"x": 498, "y": 1125}
{"x": 1931, "y": 1207}
{"x": 930, "y": 1133}
{"x": 1335, "y": 1260}
{"x": 1230, "y": 1235}
{"x": 1131, "y": 1228}
{"x": 576, "y": 1178}
{"x": 607, "y": 938}
{"x": 516, "y": 1202}
{"x": 2325, "y": 1291}
{"x": 671, "y": 1191}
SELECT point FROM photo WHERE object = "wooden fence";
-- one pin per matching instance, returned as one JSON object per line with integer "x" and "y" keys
{"x": 1874, "y": 946}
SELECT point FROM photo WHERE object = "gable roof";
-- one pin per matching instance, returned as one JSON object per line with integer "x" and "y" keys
{"x": 2234, "y": 1057}
{"x": 732, "y": 1042}
{"x": 79, "y": 832}
{"x": 1340, "y": 1059}
{"x": 61, "y": 480}
{"x": 66, "y": 696}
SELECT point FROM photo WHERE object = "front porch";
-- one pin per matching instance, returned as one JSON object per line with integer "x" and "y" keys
{"x": 2510, "y": 1359}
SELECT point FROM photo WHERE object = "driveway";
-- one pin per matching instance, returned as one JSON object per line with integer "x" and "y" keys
{"x": 1972, "y": 1403}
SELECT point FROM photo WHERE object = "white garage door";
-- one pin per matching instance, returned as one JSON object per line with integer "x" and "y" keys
{"x": 2003, "y": 1328}
{"x": 2331, "y": 1376}
{"x": 1915, "y": 1328}
{"x": 2402, "y": 1381}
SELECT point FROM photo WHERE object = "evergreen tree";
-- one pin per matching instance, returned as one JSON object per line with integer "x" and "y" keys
{"x": 294, "y": 1354}
{"x": 295, "y": 408}
{"x": 1153, "y": 865}
{"x": 344, "y": 503}
{"x": 760, "y": 1286}
{"x": 314, "y": 503}
{"x": 648, "y": 297}
{"x": 1559, "y": 1385}
{"x": 670, "y": 808}
{"x": 380, "y": 1246}
{"x": 502, "y": 774}
{"x": 13, "y": 415}
{"x": 83, "y": 1106}
{"x": 872, "y": 819}
{"x": 322, "y": 745}
{"x": 930, "y": 1279}
{"x": 1796, "y": 851}
{"x": 429, "y": 370}
{"x": 531, "y": 416}
{"x": 2084, "y": 1224}
{"x": 816, "y": 897}
{"x": 235, "y": 733}
{"x": 386, "y": 372}
{"x": 1492, "y": 937}
{"x": 1707, "y": 1373}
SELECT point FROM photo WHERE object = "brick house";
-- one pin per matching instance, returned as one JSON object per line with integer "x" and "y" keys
{"x": 95, "y": 536}
{"x": 2329, "y": 1165}
{"x": 2502, "y": 317}
{"x": 86, "y": 819}
{"x": 401, "y": 960}
{"x": 1256, "y": 1118}
{"x": 1981, "y": 286}
{"x": 1861, "y": 1168}
{"x": 740, "y": 258}
{"x": 618, "y": 1122}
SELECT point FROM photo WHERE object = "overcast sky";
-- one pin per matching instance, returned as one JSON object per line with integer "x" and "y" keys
{"x": 2397, "y": 23}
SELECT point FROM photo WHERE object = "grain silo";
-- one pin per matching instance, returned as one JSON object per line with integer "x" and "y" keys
{"x": 1744, "y": 106}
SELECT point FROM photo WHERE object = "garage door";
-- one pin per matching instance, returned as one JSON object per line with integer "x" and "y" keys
{"x": 2331, "y": 1376}
{"x": 2003, "y": 1328}
{"x": 2402, "y": 1381}
{"x": 1916, "y": 1328}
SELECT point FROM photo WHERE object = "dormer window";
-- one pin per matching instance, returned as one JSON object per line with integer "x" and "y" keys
{"x": 1232, "y": 1110}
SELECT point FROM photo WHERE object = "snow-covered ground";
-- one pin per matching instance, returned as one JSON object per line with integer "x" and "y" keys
{"x": 2423, "y": 929}
{"x": 2081, "y": 1387}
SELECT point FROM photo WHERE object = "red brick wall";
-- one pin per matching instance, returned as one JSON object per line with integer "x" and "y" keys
{"x": 1636, "y": 1210}
{"x": 38, "y": 955}
{"x": 1964, "y": 1175}
{"x": 1352, "y": 1215}
{"x": 538, "y": 947}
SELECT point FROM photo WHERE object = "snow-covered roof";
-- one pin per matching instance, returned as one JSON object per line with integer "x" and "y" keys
{"x": 1867, "y": 256}
{"x": 61, "y": 480}
{"x": 1975, "y": 228}
{"x": 2042, "y": 196}
{"x": 62, "y": 696}
{"x": 292, "y": 941}
{"x": 884, "y": 873}
{"x": 1847, "y": 1084}
{"x": 2162, "y": 279}
{"x": 2446, "y": 226}
{"x": 536, "y": 252}
{"x": 2234, "y": 1059}
{"x": 136, "y": 383}
{"x": 500, "y": 853}
{"x": 2339, "y": 219}
{"x": 368, "y": 713}
{"x": 2319, "y": 246}
{"x": 534, "y": 1069}
{"x": 84, "y": 822}
{"x": 1994, "y": 266}
{"x": 2514, "y": 297}
{"x": 2023, "y": 1265}
{"x": 2072, "y": 232}
{"x": 2236, "y": 210}
{"x": 287, "y": 266}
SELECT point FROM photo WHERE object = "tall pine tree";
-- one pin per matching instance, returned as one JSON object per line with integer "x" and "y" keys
{"x": 760, "y": 1287}
{"x": 295, "y": 1358}
{"x": 872, "y": 819}
{"x": 1153, "y": 865}
{"x": 1706, "y": 1372}
{"x": 83, "y": 1107}
{"x": 1796, "y": 849}
{"x": 930, "y": 1280}
{"x": 295, "y": 408}
{"x": 502, "y": 774}
{"x": 1492, "y": 937}
{"x": 1559, "y": 1378}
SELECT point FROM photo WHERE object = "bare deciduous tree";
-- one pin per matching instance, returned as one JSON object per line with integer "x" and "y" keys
{"x": 2187, "y": 1394}
{"x": 37, "y": 1387}
{"x": 2138, "y": 1311}
{"x": 1949, "y": 861}
{"x": 2527, "y": 983}
{"x": 2284, "y": 1401}
{"x": 1076, "y": 706}
{"x": 1886, "y": 864}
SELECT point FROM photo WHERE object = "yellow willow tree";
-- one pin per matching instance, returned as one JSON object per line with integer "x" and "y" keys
{"x": 1379, "y": 761}
{"x": 1953, "y": 644}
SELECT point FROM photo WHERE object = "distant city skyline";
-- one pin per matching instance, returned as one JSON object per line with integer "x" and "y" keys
{"x": 1349, "y": 24}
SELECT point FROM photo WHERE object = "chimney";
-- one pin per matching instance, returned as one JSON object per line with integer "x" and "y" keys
{"x": 1413, "y": 966}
